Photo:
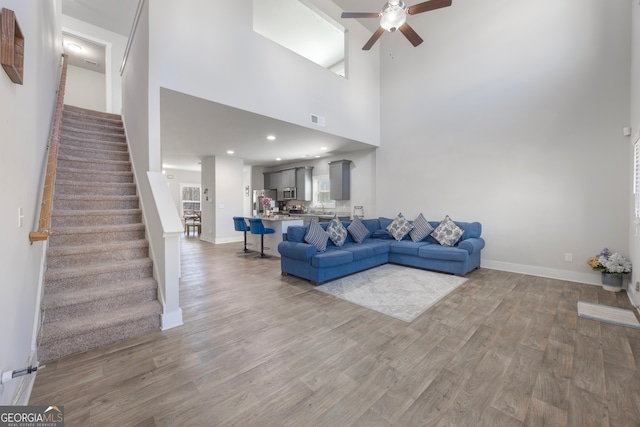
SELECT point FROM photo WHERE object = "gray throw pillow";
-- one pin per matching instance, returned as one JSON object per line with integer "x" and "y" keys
{"x": 421, "y": 228}
{"x": 316, "y": 236}
{"x": 399, "y": 227}
{"x": 447, "y": 233}
{"x": 337, "y": 232}
{"x": 357, "y": 230}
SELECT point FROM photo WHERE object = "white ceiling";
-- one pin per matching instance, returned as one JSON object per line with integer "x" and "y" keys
{"x": 193, "y": 128}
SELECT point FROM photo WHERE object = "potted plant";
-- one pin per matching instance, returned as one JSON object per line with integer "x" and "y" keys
{"x": 613, "y": 267}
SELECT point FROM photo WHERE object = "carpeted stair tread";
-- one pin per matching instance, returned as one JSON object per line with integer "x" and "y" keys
{"x": 74, "y": 141}
{"x": 97, "y": 229}
{"x": 61, "y": 330}
{"x": 95, "y": 213}
{"x": 98, "y": 197}
{"x": 89, "y": 175}
{"x": 94, "y": 125}
{"x": 96, "y": 248}
{"x": 96, "y": 188}
{"x": 95, "y": 269}
{"x": 93, "y": 153}
{"x": 91, "y": 162}
{"x": 61, "y": 299}
{"x": 91, "y": 113}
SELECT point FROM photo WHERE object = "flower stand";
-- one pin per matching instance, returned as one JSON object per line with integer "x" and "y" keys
{"x": 612, "y": 282}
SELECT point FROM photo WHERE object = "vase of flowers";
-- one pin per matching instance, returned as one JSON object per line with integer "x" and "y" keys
{"x": 613, "y": 267}
{"x": 266, "y": 203}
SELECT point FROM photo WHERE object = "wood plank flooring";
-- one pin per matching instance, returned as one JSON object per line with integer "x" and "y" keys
{"x": 261, "y": 349}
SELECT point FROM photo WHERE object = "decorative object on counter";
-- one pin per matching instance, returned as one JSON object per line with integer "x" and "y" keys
{"x": 613, "y": 267}
{"x": 358, "y": 211}
{"x": 266, "y": 203}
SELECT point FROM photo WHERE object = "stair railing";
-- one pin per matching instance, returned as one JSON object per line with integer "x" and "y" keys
{"x": 50, "y": 175}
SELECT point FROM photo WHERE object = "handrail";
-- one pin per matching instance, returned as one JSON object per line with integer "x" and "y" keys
{"x": 131, "y": 35}
{"x": 54, "y": 141}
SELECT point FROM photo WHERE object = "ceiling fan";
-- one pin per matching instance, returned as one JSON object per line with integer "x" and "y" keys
{"x": 394, "y": 16}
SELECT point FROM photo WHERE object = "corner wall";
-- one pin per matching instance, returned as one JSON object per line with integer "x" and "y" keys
{"x": 26, "y": 112}
{"x": 511, "y": 114}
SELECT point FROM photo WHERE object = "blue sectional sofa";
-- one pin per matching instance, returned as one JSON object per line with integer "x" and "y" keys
{"x": 301, "y": 259}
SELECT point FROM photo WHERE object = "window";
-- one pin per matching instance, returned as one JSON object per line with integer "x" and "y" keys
{"x": 190, "y": 197}
{"x": 321, "y": 193}
{"x": 302, "y": 28}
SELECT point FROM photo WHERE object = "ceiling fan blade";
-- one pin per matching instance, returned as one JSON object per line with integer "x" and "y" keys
{"x": 427, "y": 6}
{"x": 374, "y": 38}
{"x": 360, "y": 14}
{"x": 410, "y": 34}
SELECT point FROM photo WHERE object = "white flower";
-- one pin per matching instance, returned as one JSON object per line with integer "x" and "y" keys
{"x": 616, "y": 263}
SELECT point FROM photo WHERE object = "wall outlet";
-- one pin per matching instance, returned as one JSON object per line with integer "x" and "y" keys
{"x": 568, "y": 256}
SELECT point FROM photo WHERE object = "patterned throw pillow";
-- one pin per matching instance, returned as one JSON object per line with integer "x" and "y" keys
{"x": 447, "y": 233}
{"x": 399, "y": 227}
{"x": 337, "y": 232}
{"x": 316, "y": 236}
{"x": 421, "y": 228}
{"x": 357, "y": 230}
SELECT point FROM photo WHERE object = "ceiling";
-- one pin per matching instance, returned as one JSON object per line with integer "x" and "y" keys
{"x": 193, "y": 128}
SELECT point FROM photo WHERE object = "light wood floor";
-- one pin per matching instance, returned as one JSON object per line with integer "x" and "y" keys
{"x": 260, "y": 349}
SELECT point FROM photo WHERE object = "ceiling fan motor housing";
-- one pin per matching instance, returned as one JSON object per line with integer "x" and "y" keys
{"x": 393, "y": 15}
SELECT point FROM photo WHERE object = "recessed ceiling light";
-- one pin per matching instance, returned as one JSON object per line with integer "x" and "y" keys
{"x": 74, "y": 47}
{"x": 271, "y": 137}
{"x": 230, "y": 151}
{"x": 323, "y": 148}
{"x": 278, "y": 159}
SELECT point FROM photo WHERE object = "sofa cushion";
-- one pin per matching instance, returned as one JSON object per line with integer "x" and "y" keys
{"x": 337, "y": 232}
{"x": 317, "y": 236}
{"x": 331, "y": 258}
{"x": 357, "y": 230}
{"x": 421, "y": 228}
{"x": 384, "y": 222}
{"x": 359, "y": 251}
{"x": 444, "y": 253}
{"x": 296, "y": 233}
{"x": 379, "y": 247}
{"x": 399, "y": 227}
{"x": 406, "y": 247}
{"x": 447, "y": 233}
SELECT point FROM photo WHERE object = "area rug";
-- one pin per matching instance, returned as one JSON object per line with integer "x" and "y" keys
{"x": 400, "y": 292}
{"x": 604, "y": 313}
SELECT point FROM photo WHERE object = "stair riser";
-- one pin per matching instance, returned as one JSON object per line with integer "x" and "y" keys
{"x": 83, "y": 143}
{"x": 60, "y": 220}
{"x": 116, "y": 156}
{"x": 107, "y": 305}
{"x": 94, "y": 166}
{"x": 52, "y": 350}
{"x": 97, "y": 190}
{"x": 93, "y": 204}
{"x": 94, "y": 176}
{"x": 71, "y": 283}
{"x": 87, "y": 238}
{"x": 93, "y": 136}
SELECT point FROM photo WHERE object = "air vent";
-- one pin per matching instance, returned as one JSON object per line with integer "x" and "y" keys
{"x": 317, "y": 120}
{"x": 88, "y": 61}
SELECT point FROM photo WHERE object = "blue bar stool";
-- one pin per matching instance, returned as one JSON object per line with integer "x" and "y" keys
{"x": 240, "y": 225}
{"x": 257, "y": 227}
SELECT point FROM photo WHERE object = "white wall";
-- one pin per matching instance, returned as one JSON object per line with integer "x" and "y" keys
{"x": 511, "y": 114}
{"x": 25, "y": 121}
{"x": 85, "y": 89}
{"x": 228, "y": 197}
{"x": 115, "y": 48}
{"x": 634, "y": 239}
{"x": 234, "y": 66}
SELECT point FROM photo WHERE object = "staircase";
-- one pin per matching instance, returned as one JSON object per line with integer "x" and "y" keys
{"x": 99, "y": 286}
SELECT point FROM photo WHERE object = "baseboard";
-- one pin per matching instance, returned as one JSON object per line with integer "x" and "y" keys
{"x": 551, "y": 273}
{"x": 223, "y": 240}
{"x": 171, "y": 320}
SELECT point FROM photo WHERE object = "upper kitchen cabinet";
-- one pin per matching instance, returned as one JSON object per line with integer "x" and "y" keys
{"x": 288, "y": 178}
{"x": 304, "y": 184}
{"x": 272, "y": 180}
{"x": 340, "y": 180}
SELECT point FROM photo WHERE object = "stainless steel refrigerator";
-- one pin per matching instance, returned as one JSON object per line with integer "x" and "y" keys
{"x": 258, "y": 196}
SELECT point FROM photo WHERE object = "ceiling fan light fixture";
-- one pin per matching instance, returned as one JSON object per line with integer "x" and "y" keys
{"x": 393, "y": 16}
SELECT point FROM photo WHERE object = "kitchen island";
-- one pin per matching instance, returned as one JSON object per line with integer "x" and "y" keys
{"x": 271, "y": 241}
